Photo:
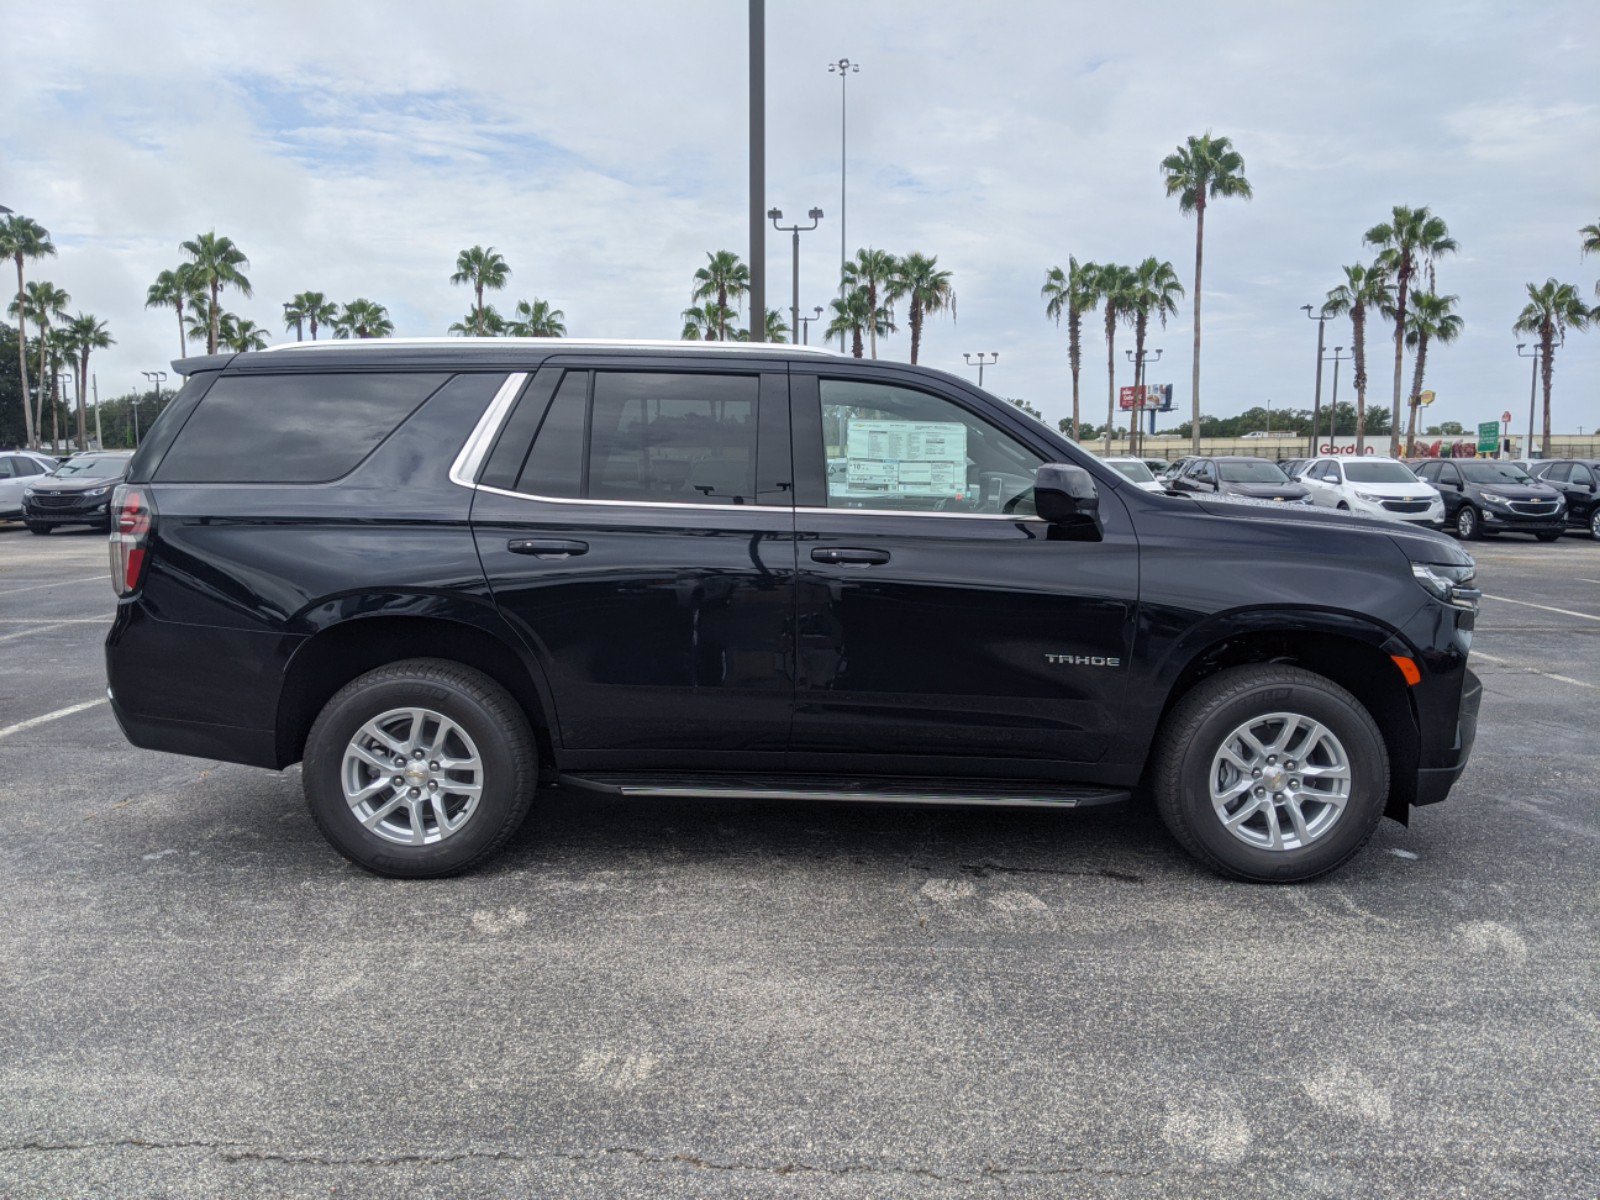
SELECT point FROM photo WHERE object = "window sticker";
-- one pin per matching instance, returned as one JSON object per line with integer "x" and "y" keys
{"x": 902, "y": 458}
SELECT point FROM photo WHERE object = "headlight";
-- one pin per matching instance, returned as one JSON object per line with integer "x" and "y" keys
{"x": 97, "y": 491}
{"x": 1305, "y": 500}
{"x": 1448, "y": 583}
{"x": 1493, "y": 498}
{"x": 28, "y": 493}
{"x": 1369, "y": 498}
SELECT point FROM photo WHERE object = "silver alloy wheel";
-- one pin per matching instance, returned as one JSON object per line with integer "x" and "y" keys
{"x": 1594, "y": 523}
{"x": 412, "y": 776}
{"x": 1280, "y": 781}
{"x": 1466, "y": 521}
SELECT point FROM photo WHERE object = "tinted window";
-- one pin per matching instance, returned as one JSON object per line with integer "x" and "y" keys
{"x": 1379, "y": 472}
{"x": 1554, "y": 472}
{"x": 1135, "y": 471}
{"x": 91, "y": 468}
{"x": 30, "y": 466}
{"x": 1484, "y": 471}
{"x": 1581, "y": 474}
{"x": 554, "y": 466}
{"x": 8, "y": 468}
{"x": 894, "y": 448}
{"x": 291, "y": 428}
{"x": 1447, "y": 473}
{"x": 1252, "y": 471}
{"x": 674, "y": 438}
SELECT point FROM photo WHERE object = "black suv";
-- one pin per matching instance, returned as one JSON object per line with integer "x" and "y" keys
{"x": 1483, "y": 496}
{"x": 78, "y": 492}
{"x": 1578, "y": 480}
{"x": 1241, "y": 476}
{"x": 440, "y": 573}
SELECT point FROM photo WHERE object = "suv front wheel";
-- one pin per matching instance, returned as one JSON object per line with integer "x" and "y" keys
{"x": 1271, "y": 773}
{"x": 420, "y": 768}
{"x": 1468, "y": 526}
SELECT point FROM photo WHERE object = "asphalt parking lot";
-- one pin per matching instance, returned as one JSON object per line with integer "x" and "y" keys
{"x": 711, "y": 1000}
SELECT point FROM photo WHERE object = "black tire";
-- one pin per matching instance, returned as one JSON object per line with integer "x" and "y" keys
{"x": 1468, "y": 524}
{"x": 481, "y": 707}
{"x": 1195, "y": 730}
{"x": 36, "y": 527}
{"x": 1594, "y": 523}
{"x": 1548, "y": 537}
{"x": 1343, "y": 507}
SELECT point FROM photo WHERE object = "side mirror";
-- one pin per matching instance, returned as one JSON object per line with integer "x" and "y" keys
{"x": 1066, "y": 495}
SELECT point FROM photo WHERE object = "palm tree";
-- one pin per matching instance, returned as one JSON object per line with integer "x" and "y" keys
{"x": 174, "y": 289}
{"x": 82, "y": 334}
{"x": 1202, "y": 170}
{"x": 486, "y": 322}
{"x": 1591, "y": 245}
{"x": 852, "y": 316}
{"x": 217, "y": 263}
{"x": 23, "y": 238}
{"x": 363, "y": 318}
{"x": 1071, "y": 292}
{"x": 537, "y": 320}
{"x": 1431, "y": 320}
{"x": 40, "y": 302}
{"x": 700, "y": 322}
{"x": 873, "y": 271}
{"x": 1115, "y": 290}
{"x": 918, "y": 279}
{"x": 1411, "y": 239}
{"x": 1155, "y": 294}
{"x": 311, "y": 309}
{"x": 777, "y": 328}
{"x": 1552, "y": 309}
{"x": 1363, "y": 288}
{"x": 482, "y": 267}
{"x": 724, "y": 277}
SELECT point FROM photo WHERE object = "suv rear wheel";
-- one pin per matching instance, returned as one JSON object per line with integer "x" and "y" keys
{"x": 420, "y": 769}
{"x": 1271, "y": 773}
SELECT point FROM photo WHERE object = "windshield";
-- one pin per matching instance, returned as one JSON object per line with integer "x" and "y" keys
{"x": 1379, "y": 472}
{"x": 1483, "y": 471}
{"x": 91, "y": 468}
{"x": 1135, "y": 471}
{"x": 1251, "y": 471}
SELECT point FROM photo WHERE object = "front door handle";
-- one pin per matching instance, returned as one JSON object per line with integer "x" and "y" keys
{"x": 547, "y": 547}
{"x": 849, "y": 556}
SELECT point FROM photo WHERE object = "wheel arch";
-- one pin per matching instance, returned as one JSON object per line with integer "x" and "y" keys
{"x": 356, "y": 634}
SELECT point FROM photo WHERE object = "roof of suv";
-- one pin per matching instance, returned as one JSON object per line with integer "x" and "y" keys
{"x": 460, "y": 349}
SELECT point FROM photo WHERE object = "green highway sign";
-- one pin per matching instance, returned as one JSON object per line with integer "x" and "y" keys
{"x": 1488, "y": 437}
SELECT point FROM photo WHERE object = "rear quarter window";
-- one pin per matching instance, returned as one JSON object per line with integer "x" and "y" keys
{"x": 292, "y": 428}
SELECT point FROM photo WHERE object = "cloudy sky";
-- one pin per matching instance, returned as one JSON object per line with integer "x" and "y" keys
{"x": 354, "y": 148}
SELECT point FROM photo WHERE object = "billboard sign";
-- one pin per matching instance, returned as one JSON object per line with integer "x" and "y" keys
{"x": 1150, "y": 397}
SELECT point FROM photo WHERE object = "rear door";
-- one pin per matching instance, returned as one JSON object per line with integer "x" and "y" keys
{"x": 635, "y": 522}
{"x": 942, "y": 626}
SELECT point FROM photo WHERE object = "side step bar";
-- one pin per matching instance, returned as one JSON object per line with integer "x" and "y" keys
{"x": 992, "y": 793}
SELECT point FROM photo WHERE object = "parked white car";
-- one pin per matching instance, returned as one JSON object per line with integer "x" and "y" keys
{"x": 1373, "y": 487}
{"x": 1137, "y": 470}
{"x": 19, "y": 471}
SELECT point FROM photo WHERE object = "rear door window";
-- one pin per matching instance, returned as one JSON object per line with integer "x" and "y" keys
{"x": 1582, "y": 475}
{"x": 292, "y": 428}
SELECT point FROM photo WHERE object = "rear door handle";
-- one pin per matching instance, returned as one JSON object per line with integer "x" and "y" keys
{"x": 849, "y": 556}
{"x": 547, "y": 547}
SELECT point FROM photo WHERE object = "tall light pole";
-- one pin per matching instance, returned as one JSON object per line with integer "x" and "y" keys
{"x": 981, "y": 360}
{"x": 1143, "y": 356}
{"x": 758, "y": 170}
{"x": 805, "y": 325}
{"x": 776, "y": 215}
{"x": 844, "y": 68}
{"x": 156, "y": 378}
{"x": 1333, "y": 405}
{"x": 1322, "y": 319}
{"x": 1533, "y": 391}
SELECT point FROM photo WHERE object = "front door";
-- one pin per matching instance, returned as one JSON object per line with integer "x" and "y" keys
{"x": 941, "y": 626}
{"x": 638, "y": 529}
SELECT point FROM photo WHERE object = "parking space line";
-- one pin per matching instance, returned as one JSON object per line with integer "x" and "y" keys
{"x": 57, "y": 583}
{"x": 1505, "y": 662}
{"x": 22, "y": 633}
{"x": 57, "y": 620}
{"x": 1581, "y": 579}
{"x": 1565, "y": 612}
{"x": 50, "y": 716}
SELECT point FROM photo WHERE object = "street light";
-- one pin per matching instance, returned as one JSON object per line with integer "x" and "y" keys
{"x": 156, "y": 378}
{"x": 776, "y": 215}
{"x": 805, "y": 325}
{"x": 983, "y": 359}
{"x": 1333, "y": 405}
{"x": 1138, "y": 362}
{"x": 1322, "y": 319}
{"x": 844, "y": 68}
{"x": 1533, "y": 388}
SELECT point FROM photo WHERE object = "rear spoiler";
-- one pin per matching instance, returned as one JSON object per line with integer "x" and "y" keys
{"x": 201, "y": 362}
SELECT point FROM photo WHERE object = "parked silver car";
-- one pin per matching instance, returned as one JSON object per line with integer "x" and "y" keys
{"x": 19, "y": 469}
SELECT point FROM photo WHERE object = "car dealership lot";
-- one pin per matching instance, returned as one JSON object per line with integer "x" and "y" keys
{"x": 698, "y": 999}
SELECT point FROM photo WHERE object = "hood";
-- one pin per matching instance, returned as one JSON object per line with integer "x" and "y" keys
{"x": 1519, "y": 491}
{"x": 1419, "y": 545}
{"x": 71, "y": 487}
{"x": 1396, "y": 491}
{"x": 1268, "y": 491}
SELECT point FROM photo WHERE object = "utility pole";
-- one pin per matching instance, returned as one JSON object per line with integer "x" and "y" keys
{"x": 758, "y": 170}
{"x": 1533, "y": 392}
{"x": 99, "y": 437}
{"x": 1322, "y": 319}
{"x": 1333, "y": 405}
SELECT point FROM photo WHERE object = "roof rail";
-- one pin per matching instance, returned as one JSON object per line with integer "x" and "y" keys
{"x": 553, "y": 344}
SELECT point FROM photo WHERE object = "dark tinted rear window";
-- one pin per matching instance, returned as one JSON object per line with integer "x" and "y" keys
{"x": 291, "y": 428}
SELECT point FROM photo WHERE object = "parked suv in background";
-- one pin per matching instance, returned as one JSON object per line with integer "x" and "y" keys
{"x": 1485, "y": 497}
{"x": 1578, "y": 480}
{"x": 1248, "y": 478}
{"x": 1373, "y": 487}
{"x": 440, "y": 572}
{"x": 78, "y": 492}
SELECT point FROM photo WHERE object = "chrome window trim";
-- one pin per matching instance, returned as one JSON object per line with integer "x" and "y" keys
{"x": 469, "y": 462}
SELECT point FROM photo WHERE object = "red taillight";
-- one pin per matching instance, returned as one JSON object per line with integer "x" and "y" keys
{"x": 132, "y": 518}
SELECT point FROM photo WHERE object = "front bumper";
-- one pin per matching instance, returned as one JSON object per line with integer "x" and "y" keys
{"x": 1499, "y": 518}
{"x": 95, "y": 513}
{"x": 1434, "y": 783}
{"x": 1431, "y": 517}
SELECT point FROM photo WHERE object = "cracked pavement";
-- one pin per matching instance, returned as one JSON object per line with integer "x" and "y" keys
{"x": 695, "y": 999}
